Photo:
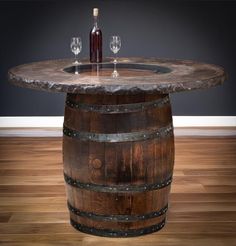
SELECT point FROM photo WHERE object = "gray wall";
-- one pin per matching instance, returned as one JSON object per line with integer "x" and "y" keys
{"x": 197, "y": 30}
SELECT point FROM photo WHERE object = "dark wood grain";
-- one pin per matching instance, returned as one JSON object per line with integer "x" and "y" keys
{"x": 134, "y": 162}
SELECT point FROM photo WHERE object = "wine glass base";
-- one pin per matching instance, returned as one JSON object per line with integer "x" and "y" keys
{"x": 115, "y": 74}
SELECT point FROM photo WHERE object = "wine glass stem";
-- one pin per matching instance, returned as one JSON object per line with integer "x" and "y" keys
{"x": 115, "y": 59}
{"x": 76, "y": 69}
{"x": 76, "y": 58}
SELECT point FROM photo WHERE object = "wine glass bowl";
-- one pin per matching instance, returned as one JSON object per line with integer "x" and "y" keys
{"x": 115, "y": 45}
{"x": 76, "y": 47}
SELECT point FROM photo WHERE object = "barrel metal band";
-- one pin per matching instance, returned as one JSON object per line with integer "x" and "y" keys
{"x": 118, "y": 108}
{"x": 117, "y": 233}
{"x": 119, "y": 137}
{"x": 117, "y": 188}
{"x": 118, "y": 218}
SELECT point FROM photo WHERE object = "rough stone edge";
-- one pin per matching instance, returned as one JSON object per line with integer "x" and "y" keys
{"x": 118, "y": 90}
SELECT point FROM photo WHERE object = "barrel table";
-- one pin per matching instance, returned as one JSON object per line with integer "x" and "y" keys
{"x": 118, "y": 141}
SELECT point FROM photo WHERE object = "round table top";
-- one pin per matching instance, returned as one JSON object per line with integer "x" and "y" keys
{"x": 136, "y": 75}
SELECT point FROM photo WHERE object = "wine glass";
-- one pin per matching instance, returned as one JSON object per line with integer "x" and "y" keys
{"x": 115, "y": 45}
{"x": 76, "y": 47}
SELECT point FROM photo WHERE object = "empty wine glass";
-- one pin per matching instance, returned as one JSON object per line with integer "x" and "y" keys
{"x": 115, "y": 45}
{"x": 76, "y": 47}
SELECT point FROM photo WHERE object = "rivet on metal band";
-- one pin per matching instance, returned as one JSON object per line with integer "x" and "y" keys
{"x": 119, "y": 137}
{"x": 118, "y": 108}
{"x": 117, "y": 188}
{"x": 118, "y": 218}
{"x": 117, "y": 233}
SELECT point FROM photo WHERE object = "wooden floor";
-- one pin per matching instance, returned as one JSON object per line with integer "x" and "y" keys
{"x": 202, "y": 202}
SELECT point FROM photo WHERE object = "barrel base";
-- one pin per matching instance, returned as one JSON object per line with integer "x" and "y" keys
{"x": 117, "y": 233}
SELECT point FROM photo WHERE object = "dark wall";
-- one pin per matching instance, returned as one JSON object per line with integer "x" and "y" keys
{"x": 197, "y": 30}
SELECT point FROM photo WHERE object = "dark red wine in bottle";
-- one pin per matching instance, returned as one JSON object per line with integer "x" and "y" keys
{"x": 95, "y": 40}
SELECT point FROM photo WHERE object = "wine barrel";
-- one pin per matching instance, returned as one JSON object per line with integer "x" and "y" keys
{"x": 118, "y": 154}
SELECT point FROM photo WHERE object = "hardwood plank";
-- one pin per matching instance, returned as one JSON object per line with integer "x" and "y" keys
{"x": 202, "y": 197}
{"x": 47, "y": 189}
{"x": 34, "y": 208}
{"x": 31, "y": 180}
{"x": 30, "y": 172}
{"x": 196, "y": 206}
{"x": 192, "y": 216}
{"x": 169, "y": 240}
{"x": 87, "y": 240}
{"x": 39, "y": 217}
{"x": 202, "y": 203}
{"x": 171, "y": 227}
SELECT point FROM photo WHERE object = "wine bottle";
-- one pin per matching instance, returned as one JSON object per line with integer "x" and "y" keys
{"x": 95, "y": 40}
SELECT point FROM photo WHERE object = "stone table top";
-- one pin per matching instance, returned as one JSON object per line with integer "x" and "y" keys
{"x": 137, "y": 75}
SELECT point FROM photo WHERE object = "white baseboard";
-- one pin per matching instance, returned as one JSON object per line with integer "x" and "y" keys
{"x": 57, "y": 121}
{"x": 204, "y": 121}
{"x": 31, "y": 121}
{"x": 43, "y": 126}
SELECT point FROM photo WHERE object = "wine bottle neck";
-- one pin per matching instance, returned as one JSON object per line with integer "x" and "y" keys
{"x": 95, "y": 20}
